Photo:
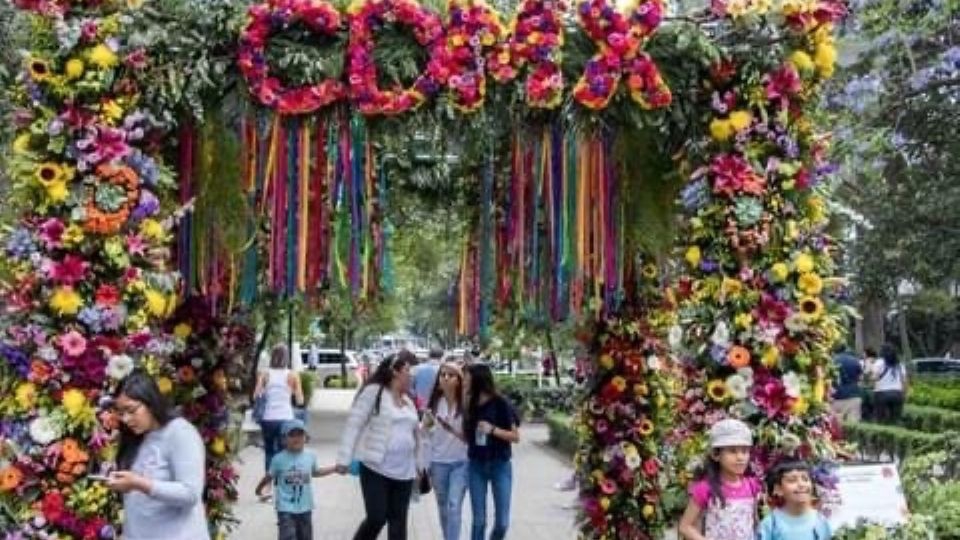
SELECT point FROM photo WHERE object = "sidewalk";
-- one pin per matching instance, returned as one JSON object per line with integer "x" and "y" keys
{"x": 538, "y": 511}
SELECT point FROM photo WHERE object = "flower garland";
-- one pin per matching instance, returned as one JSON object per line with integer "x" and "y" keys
{"x": 622, "y": 420}
{"x": 365, "y": 17}
{"x": 472, "y": 26}
{"x": 758, "y": 297}
{"x": 535, "y": 37}
{"x": 88, "y": 287}
{"x": 268, "y": 19}
{"x": 618, "y": 42}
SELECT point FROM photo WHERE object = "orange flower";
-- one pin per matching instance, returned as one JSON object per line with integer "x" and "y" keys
{"x": 106, "y": 222}
{"x": 738, "y": 357}
{"x": 186, "y": 373}
{"x": 10, "y": 478}
{"x": 72, "y": 452}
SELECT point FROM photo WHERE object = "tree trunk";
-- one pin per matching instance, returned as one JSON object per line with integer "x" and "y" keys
{"x": 902, "y": 325}
{"x": 870, "y": 328}
{"x": 554, "y": 360}
{"x": 343, "y": 358}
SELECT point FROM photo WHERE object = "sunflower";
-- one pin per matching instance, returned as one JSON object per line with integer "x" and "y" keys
{"x": 49, "y": 172}
{"x": 645, "y": 427}
{"x": 811, "y": 308}
{"x": 717, "y": 390}
{"x": 39, "y": 69}
{"x": 649, "y": 270}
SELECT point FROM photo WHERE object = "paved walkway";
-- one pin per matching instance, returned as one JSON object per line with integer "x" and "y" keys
{"x": 539, "y": 511}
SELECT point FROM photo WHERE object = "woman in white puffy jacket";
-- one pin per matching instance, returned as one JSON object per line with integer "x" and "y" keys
{"x": 382, "y": 434}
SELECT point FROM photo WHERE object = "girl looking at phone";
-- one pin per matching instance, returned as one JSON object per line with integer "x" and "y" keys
{"x": 443, "y": 423}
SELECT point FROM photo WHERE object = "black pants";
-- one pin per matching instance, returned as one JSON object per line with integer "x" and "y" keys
{"x": 888, "y": 406}
{"x": 386, "y": 502}
{"x": 295, "y": 526}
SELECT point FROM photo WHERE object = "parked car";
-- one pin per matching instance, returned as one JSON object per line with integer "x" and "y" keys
{"x": 327, "y": 365}
{"x": 936, "y": 366}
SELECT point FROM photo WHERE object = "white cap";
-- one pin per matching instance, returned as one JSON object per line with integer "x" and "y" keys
{"x": 730, "y": 432}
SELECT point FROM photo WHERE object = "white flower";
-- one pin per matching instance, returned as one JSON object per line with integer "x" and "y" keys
{"x": 633, "y": 460}
{"x": 119, "y": 366}
{"x": 47, "y": 353}
{"x": 721, "y": 335}
{"x": 792, "y": 383}
{"x": 675, "y": 336}
{"x": 789, "y": 442}
{"x": 795, "y": 324}
{"x": 44, "y": 430}
{"x": 653, "y": 363}
{"x": 737, "y": 386}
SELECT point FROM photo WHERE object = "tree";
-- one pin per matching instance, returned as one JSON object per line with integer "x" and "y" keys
{"x": 897, "y": 121}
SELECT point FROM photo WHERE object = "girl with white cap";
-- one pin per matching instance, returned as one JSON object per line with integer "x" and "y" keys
{"x": 723, "y": 500}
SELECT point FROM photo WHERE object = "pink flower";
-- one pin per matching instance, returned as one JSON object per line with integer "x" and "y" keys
{"x": 51, "y": 233}
{"x": 70, "y": 270}
{"x": 72, "y": 343}
{"x": 135, "y": 244}
{"x": 783, "y": 83}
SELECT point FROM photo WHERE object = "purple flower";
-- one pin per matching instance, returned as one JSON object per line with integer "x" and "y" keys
{"x": 20, "y": 243}
{"x": 17, "y": 359}
{"x": 147, "y": 206}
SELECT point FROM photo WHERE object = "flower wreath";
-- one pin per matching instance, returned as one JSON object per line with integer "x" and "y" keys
{"x": 106, "y": 209}
{"x": 472, "y": 26}
{"x": 364, "y": 19}
{"x": 619, "y": 39}
{"x": 265, "y": 20}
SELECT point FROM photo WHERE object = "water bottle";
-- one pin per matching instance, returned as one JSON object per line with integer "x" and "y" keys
{"x": 481, "y": 438}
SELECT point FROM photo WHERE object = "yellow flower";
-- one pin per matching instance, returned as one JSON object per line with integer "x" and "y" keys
{"x": 57, "y": 191}
{"x": 810, "y": 283}
{"x": 153, "y": 230}
{"x": 743, "y": 320}
{"x": 158, "y": 304}
{"x": 816, "y": 209}
{"x": 721, "y": 130}
{"x": 730, "y": 287}
{"x": 74, "y": 68}
{"x": 802, "y": 61}
{"x": 819, "y": 390}
{"x": 103, "y": 57}
{"x": 26, "y": 395}
{"x": 779, "y": 272}
{"x": 650, "y": 271}
{"x": 49, "y": 172}
{"x": 693, "y": 256}
{"x": 770, "y": 357}
{"x": 182, "y": 330}
{"x": 604, "y": 503}
{"x": 39, "y": 69}
{"x": 740, "y": 120}
{"x": 165, "y": 385}
{"x": 804, "y": 263}
{"x": 21, "y": 145}
{"x": 218, "y": 446}
{"x": 648, "y": 511}
{"x": 111, "y": 111}
{"x": 717, "y": 390}
{"x": 65, "y": 301}
{"x": 606, "y": 361}
{"x": 640, "y": 389}
{"x": 74, "y": 402}
{"x": 811, "y": 308}
{"x": 825, "y": 58}
{"x": 800, "y": 406}
{"x": 72, "y": 235}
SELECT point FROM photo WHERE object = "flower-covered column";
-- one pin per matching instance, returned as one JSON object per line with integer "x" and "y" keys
{"x": 758, "y": 315}
{"x": 86, "y": 280}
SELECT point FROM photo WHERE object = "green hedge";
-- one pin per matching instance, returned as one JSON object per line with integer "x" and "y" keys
{"x": 930, "y": 419}
{"x": 562, "y": 435}
{"x": 876, "y": 439}
{"x": 939, "y": 392}
{"x": 308, "y": 382}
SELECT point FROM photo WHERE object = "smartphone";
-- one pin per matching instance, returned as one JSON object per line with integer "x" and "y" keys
{"x": 99, "y": 477}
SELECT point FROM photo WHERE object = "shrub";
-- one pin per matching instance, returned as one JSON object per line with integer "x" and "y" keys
{"x": 930, "y": 419}
{"x": 335, "y": 382}
{"x": 562, "y": 435}
{"x": 939, "y": 392}
{"x": 895, "y": 441}
{"x": 308, "y": 382}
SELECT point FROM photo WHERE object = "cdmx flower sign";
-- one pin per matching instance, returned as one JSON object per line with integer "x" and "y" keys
{"x": 473, "y": 44}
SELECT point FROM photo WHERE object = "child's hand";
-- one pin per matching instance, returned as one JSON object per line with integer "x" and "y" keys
{"x": 325, "y": 471}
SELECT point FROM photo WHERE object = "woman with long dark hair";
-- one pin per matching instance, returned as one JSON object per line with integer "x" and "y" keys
{"x": 890, "y": 388}
{"x": 160, "y": 466}
{"x": 491, "y": 427}
{"x": 382, "y": 433}
{"x": 279, "y": 385}
{"x": 443, "y": 422}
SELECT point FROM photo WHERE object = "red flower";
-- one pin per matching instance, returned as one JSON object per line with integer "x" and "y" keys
{"x": 732, "y": 175}
{"x": 651, "y": 467}
{"x": 783, "y": 83}
{"x": 70, "y": 270}
{"x": 52, "y": 506}
{"x": 107, "y": 296}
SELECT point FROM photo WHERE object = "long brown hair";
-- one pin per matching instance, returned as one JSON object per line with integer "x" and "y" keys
{"x": 438, "y": 392}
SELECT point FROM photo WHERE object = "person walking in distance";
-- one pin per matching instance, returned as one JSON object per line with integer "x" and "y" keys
{"x": 447, "y": 447}
{"x": 278, "y": 385}
{"x": 890, "y": 388}
{"x": 492, "y": 427}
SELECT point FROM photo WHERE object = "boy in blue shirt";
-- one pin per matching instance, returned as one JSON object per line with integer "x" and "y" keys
{"x": 291, "y": 471}
{"x": 790, "y": 487}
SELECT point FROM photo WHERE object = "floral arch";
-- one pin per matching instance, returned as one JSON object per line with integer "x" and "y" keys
{"x": 592, "y": 120}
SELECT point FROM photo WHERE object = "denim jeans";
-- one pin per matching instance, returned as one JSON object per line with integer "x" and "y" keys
{"x": 499, "y": 476}
{"x": 272, "y": 439}
{"x": 295, "y": 526}
{"x": 450, "y": 484}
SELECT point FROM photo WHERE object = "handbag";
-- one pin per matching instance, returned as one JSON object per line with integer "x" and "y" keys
{"x": 259, "y": 408}
{"x": 424, "y": 486}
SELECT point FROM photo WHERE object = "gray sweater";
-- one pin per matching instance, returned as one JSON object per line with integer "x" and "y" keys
{"x": 173, "y": 458}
